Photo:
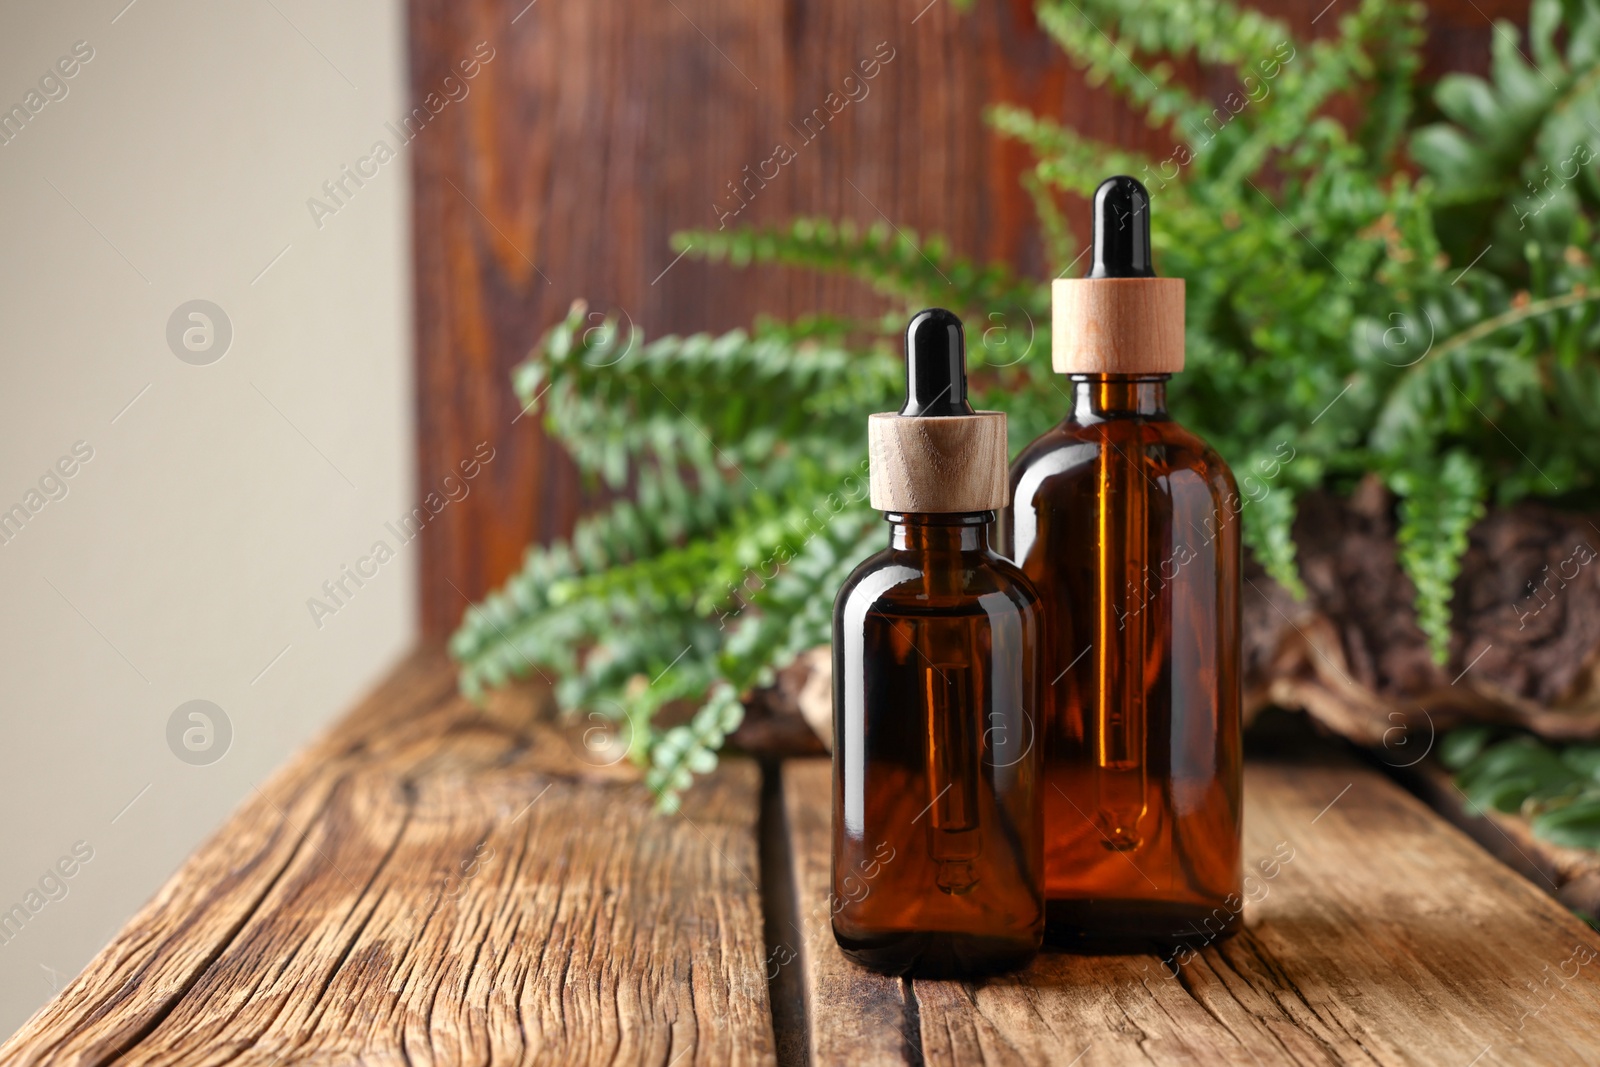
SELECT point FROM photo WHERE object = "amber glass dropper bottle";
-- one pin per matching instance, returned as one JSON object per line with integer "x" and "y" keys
{"x": 1128, "y": 525}
{"x": 936, "y": 821}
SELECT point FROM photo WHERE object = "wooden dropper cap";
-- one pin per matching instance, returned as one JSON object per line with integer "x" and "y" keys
{"x": 1121, "y": 319}
{"x": 937, "y": 456}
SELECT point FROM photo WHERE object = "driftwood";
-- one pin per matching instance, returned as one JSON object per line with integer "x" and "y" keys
{"x": 1526, "y": 628}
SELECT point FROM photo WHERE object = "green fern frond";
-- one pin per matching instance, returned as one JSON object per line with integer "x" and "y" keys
{"x": 893, "y": 259}
{"x": 1556, "y": 788}
{"x": 1395, "y": 57}
{"x": 1067, "y": 161}
{"x": 1295, "y": 81}
{"x": 1437, "y": 509}
{"x": 1217, "y": 32}
{"x": 1077, "y": 28}
{"x": 1513, "y": 159}
{"x": 712, "y": 403}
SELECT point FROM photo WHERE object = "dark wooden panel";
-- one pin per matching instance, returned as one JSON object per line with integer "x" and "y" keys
{"x": 599, "y": 128}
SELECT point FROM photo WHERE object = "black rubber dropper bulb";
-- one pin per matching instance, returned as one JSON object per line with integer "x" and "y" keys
{"x": 1121, "y": 230}
{"x": 936, "y": 366}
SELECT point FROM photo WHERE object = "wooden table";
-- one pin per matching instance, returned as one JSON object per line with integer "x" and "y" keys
{"x": 434, "y": 883}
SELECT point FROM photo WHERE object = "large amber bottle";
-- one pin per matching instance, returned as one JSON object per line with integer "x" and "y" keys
{"x": 1128, "y": 525}
{"x": 936, "y": 819}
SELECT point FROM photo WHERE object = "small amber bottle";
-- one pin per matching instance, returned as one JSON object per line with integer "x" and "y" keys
{"x": 936, "y": 821}
{"x": 1128, "y": 525}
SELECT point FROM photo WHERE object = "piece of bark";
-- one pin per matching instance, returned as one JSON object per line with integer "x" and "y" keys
{"x": 1353, "y": 655}
{"x": 794, "y": 715}
{"x": 1376, "y": 933}
{"x": 433, "y": 882}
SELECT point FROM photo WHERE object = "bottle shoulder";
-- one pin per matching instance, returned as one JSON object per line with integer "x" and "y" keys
{"x": 1168, "y": 447}
{"x": 893, "y": 580}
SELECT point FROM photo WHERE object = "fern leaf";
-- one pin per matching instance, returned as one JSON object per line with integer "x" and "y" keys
{"x": 1435, "y": 514}
{"x": 894, "y": 260}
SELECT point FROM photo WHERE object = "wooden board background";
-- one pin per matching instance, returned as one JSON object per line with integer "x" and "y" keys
{"x": 600, "y": 128}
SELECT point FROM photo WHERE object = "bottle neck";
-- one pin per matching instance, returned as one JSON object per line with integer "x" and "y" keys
{"x": 964, "y": 532}
{"x": 1118, "y": 396}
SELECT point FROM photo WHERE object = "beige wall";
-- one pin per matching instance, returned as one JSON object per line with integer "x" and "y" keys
{"x": 219, "y": 496}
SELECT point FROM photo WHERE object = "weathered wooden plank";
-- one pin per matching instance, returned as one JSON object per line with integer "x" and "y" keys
{"x": 1571, "y": 875}
{"x": 437, "y": 883}
{"x": 1376, "y": 933}
{"x": 852, "y": 1015}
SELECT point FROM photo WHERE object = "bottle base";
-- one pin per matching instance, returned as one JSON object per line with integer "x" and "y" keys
{"x": 938, "y": 955}
{"x": 1124, "y": 927}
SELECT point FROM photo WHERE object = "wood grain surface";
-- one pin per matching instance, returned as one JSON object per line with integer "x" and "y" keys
{"x": 1375, "y": 934}
{"x": 433, "y": 883}
{"x": 943, "y": 465}
{"x": 878, "y": 1022}
{"x": 600, "y": 128}
{"x": 1116, "y": 325}
{"x": 1571, "y": 875}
